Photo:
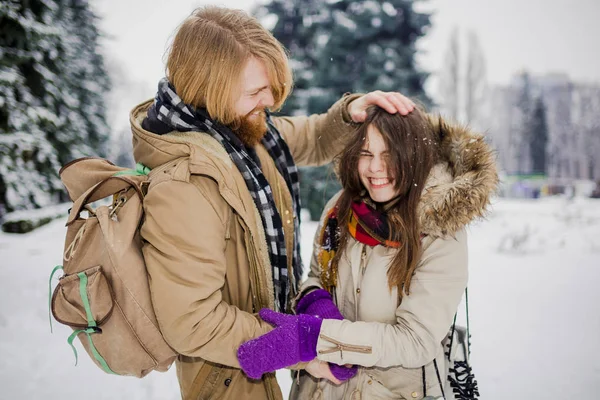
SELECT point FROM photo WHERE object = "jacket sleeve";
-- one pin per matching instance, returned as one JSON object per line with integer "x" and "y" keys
{"x": 422, "y": 319}
{"x": 316, "y": 139}
{"x": 185, "y": 258}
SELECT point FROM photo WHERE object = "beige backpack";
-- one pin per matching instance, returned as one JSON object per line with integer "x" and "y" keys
{"x": 104, "y": 294}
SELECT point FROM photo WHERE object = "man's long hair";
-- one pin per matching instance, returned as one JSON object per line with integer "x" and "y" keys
{"x": 207, "y": 56}
{"x": 413, "y": 151}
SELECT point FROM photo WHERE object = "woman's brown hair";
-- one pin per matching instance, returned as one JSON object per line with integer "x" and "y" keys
{"x": 413, "y": 151}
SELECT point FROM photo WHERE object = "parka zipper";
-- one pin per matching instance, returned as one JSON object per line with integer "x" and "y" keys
{"x": 363, "y": 257}
{"x": 258, "y": 299}
{"x": 361, "y": 272}
{"x": 341, "y": 347}
{"x": 290, "y": 253}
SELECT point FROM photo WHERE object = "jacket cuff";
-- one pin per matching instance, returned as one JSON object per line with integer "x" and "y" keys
{"x": 348, "y": 98}
{"x": 301, "y": 293}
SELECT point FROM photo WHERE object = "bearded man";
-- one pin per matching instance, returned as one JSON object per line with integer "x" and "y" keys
{"x": 222, "y": 213}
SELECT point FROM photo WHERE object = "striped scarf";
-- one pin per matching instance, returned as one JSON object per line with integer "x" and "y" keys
{"x": 370, "y": 226}
{"x": 172, "y": 111}
{"x": 366, "y": 225}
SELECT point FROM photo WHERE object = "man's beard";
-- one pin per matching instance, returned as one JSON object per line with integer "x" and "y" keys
{"x": 252, "y": 129}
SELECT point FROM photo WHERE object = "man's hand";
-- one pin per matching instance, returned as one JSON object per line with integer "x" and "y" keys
{"x": 293, "y": 340}
{"x": 392, "y": 102}
{"x": 320, "y": 369}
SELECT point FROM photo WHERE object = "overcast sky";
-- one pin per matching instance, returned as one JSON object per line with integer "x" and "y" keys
{"x": 543, "y": 36}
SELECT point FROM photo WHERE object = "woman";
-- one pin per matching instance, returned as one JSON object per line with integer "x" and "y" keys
{"x": 391, "y": 250}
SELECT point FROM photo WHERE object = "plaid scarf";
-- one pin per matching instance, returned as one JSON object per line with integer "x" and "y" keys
{"x": 369, "y": 226}
{"x": 172, "y": 111}
{"x": 366, "y": 225}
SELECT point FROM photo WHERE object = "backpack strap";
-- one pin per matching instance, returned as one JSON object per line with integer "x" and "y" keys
{"x": 140, "y": 169}
{"x": 468, "y": 330}
{"x": 454, "y": 328}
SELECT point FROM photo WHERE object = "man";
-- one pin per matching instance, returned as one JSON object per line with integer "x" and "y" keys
{"x": 222, "y": 211}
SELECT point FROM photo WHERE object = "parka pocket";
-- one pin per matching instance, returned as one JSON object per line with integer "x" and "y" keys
{"x": 213, "y": 381}
{"x": 374, "y": 389}
{"x": 83, "y": 299}
{"x": 199, "y": 389}
{"x": 305, "y": 386}
{"x": 401, "y": 383}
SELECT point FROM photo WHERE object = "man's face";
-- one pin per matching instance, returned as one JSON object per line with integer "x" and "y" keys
{"x": 255, "y": 95}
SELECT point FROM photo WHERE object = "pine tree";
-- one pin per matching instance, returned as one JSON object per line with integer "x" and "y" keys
{"x": 538, "y": 135}
{"x": 88, "y": 81}
{"x": 462, "y": 79}
{"x": 346, "y": 46}
{"x": 349, "y": 46}
{"x": 521, "y": 137}
{"x": 28, "y": 161}
{"x": 51, "y": 89}
{"x": 296, "y": 28}
{"x": 450, "y": 78}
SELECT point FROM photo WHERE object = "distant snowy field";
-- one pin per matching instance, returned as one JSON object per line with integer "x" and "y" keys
{"x": 534, "y": 303}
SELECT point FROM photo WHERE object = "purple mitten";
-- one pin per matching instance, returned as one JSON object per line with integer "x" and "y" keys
{"x": 293, "y": 340}
{"x": 319, "y": 303}
{"x": 341, "y": 372}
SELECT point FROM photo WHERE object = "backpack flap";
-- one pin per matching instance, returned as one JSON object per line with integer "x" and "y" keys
{"x": 107, "y": 187}
{"x": 83, "y": 173}
{"x": 83, "y": 300}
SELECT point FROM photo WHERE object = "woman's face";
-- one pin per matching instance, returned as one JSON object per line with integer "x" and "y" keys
{"x": 372, "y": 168}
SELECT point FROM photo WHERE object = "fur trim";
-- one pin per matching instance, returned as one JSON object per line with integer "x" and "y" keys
{"x": 461, "y": 185}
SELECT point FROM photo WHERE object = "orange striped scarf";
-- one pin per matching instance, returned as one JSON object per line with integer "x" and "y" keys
{"x": 366, "y": 225}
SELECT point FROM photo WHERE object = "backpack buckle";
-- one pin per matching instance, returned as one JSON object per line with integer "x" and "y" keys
{"x": 144, "y": 187}
{"x": 120, "y": 200}
{"x": 96, "y": 329}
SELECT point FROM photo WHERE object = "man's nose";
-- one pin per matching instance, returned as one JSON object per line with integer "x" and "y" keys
{"x": 267, "y": 99}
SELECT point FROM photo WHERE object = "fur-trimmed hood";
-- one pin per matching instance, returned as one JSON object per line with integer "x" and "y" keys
{"x": 460, "y": 186}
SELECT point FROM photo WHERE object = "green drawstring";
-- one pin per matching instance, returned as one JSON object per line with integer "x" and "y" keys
{"x": 92, "y": 325}
{"x": 140, "y": 169}
{"x": 95, "y": 352}
{"x": 84, "y": 297}
{"x": 50, "y": 294}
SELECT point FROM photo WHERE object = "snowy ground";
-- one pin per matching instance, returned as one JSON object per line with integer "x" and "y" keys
{"x": 533, "y": 293}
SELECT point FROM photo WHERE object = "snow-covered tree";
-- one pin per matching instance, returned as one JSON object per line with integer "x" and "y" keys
{"x": 348, "y": 46}
{"x": 51, "y": 104}
{"x": 462, "y": 82}
{"x": 475, "y": 79}
{"x": 449, "y": 83}
{"x": 88, "y": 80}
{"x": 522, "y": 108}
{"x": 294, "y": 24}
{"x": 538, "y": 138}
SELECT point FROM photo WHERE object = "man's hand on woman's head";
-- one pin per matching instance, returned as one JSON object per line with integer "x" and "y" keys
{"x": 392, "y": 102}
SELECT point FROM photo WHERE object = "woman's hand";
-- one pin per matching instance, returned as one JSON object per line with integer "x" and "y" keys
{"x": 320, "y": 369}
